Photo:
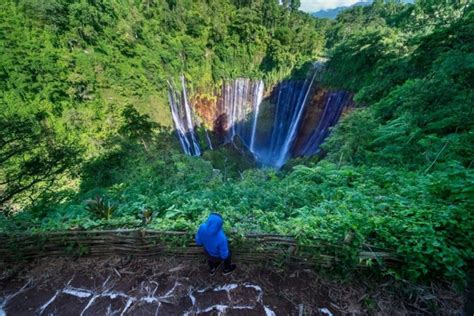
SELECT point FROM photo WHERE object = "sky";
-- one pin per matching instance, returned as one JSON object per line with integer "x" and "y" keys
{"x": 316, "y": 5}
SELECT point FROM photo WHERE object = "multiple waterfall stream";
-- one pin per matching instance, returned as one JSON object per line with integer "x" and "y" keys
{"x": 291, "y": 120}
{"x": 183, "y": 120}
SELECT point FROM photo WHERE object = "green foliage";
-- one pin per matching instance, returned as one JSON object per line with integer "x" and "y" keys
{"x": 231, "y": 160}
{"x": 413, "y": 73}
{"x": 418, "y": 88}
{"x": 136, "y": 125}
{"x": 424, "y": 219}
{"x": 100, "y": 207}
{"x": 147, "y": 216}
{"x": 33, "y": 156}
{"x": 82, "y": 65}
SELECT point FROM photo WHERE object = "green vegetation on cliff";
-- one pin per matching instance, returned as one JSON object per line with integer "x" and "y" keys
{"x": 69, "y": 69}
{"x": 414, "y": 82}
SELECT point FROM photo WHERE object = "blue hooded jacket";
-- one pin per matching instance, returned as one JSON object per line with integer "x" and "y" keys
{"x": 211, "y": 236}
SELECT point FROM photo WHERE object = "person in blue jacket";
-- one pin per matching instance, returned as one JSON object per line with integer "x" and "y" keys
{"x": 216, "y": 247}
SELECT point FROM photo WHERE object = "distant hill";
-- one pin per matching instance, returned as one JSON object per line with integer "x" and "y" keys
{"x": 332, "y": 13}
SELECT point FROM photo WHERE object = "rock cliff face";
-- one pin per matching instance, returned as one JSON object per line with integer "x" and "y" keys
{"x": 291, "y": 119}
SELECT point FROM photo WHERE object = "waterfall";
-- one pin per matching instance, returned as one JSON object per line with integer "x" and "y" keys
{"x": 294, "y": 124}
{"x": 178, "y": 122}
{"x": 239, "y": 100}
{"x": 292, "y": 120}
{"x": 335, "y": 104}
{"x": 257, "y": 99}
{"x": 183, "y": 120}
{"x": 189, "y": 120}
{"x": 209, "y": 143}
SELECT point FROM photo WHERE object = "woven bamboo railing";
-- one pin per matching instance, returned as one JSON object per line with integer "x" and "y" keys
{"x": 254, "y": 247}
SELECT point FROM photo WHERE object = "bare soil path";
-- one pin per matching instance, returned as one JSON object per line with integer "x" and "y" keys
{"x": 157, "y": 286}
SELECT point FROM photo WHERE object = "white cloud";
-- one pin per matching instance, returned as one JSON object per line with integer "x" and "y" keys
{"x": 316, "y": 5}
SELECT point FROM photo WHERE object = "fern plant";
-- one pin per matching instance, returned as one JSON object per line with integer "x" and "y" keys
{"x": 101, "y": 207}
{"x": 146, "y": 216}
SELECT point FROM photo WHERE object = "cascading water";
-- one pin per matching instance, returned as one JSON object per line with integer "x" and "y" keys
{"x": 257, "y": 99}
{"x": 335, "y": 103}
{"x": 292, "y": 120}
{"x": 209, "y": 142}
{"x": 238, "y": 109}
{"x": 183, "y": 120}
{"x": 282, "y": 155}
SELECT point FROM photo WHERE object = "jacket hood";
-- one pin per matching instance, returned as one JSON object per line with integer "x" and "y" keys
{"x": 214, "y": 224}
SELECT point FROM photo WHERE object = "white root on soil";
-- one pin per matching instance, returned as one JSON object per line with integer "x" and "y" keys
{"x": 77, "y": 292}
{"x": 4, "y": 301}
{"x": 149, "y": 290}
{"x": 325, "y": 311}
{"x": 149, "y": 298}
{"x": 45, "y": 305}
{"x": 89, "y": 303}
{"x": 221, "y": 308}
{"x": 268, "y": 311}
{"x": 127, "y": 305}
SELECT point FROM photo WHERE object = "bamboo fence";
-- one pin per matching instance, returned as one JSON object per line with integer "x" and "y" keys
{"x": 251, "y": 248}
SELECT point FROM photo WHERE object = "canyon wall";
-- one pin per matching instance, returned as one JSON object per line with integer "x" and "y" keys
{"x": 289, "y": 120}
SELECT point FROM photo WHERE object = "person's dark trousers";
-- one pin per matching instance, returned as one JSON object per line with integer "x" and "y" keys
{"x": 214, "y": 262}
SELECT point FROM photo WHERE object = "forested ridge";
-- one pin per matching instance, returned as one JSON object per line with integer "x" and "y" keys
{"x": 86, "y": 139}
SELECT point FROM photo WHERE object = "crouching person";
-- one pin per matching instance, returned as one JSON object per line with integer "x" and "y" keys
{"x": 214, "y": 241}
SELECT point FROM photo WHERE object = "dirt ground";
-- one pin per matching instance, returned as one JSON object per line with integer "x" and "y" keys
{"x": 157, "y": 286}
